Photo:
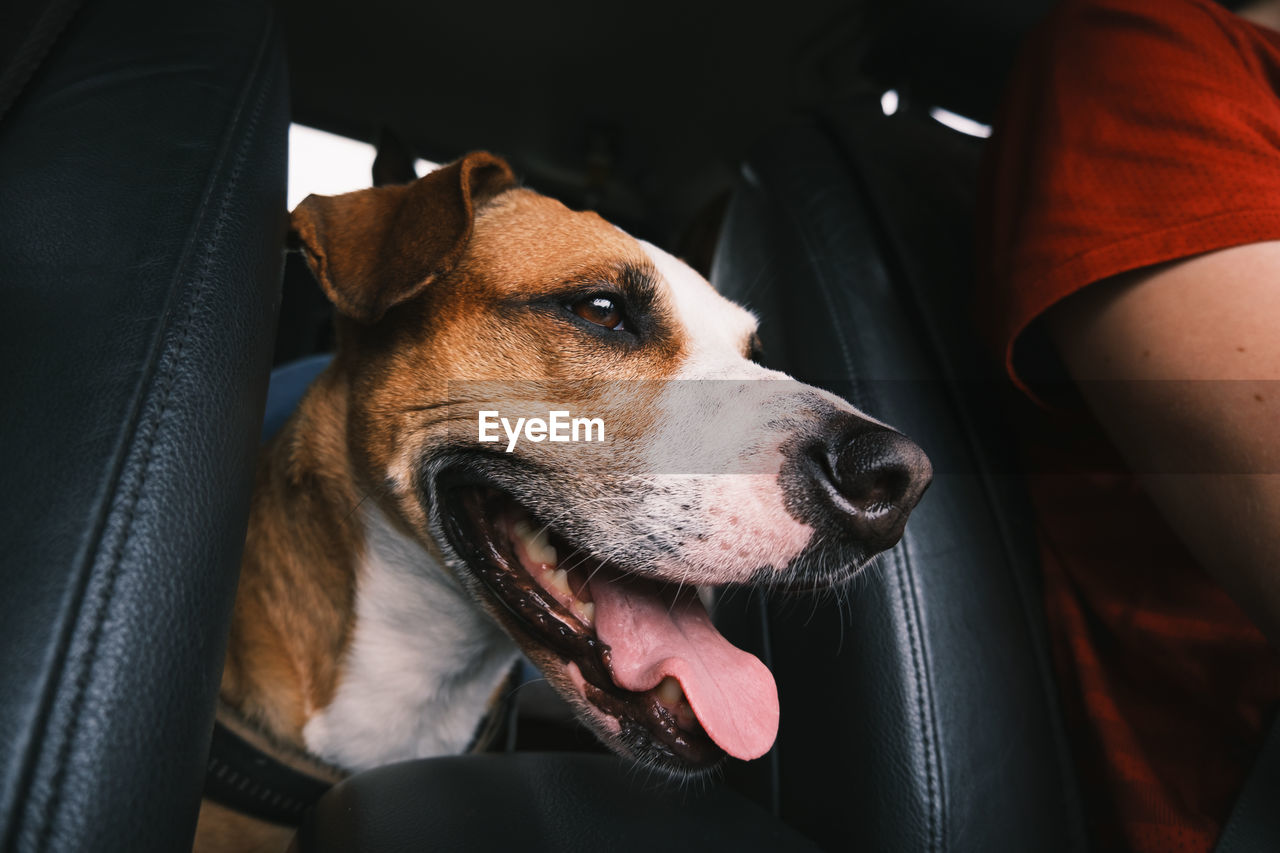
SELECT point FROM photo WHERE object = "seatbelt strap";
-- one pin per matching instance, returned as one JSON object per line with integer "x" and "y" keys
{"x": 1254, "y": 823}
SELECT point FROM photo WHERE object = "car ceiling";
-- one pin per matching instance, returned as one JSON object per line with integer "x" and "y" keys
{"x": 641, "y": 111}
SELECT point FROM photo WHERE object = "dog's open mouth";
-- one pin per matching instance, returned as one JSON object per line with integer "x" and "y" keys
{"x": 643, "y": 654}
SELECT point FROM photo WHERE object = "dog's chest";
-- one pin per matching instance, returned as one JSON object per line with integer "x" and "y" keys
{"x": 423, "y": 663}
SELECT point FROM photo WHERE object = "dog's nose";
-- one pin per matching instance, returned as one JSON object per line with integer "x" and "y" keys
{"x": 876, "y": 477}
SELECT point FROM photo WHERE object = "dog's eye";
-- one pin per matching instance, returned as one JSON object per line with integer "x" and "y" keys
{"x": 600, "y": 310}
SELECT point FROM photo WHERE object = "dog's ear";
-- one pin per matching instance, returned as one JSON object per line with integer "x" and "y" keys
{"x": 374, "y": 248}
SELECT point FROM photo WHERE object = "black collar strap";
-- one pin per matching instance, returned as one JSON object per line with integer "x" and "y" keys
{"x": 243, "y": 778}
{"x": 246, "y": 779}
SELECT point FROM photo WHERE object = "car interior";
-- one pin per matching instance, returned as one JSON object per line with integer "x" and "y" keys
{"x": 804, "y": 156}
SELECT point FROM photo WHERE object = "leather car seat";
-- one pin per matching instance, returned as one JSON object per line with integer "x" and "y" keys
{"x": 142, "y": 180}
{"x": 919, "y": 709}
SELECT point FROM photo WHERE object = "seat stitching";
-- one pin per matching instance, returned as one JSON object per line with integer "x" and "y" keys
{"x": 928, "y": 718}
{"x": 152, "y": 425}
{"x": 925, "y": 705}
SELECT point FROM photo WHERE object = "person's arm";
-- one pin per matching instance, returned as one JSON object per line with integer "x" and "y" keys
{"x": 1263, "y": 12}
{"x": 1208, "y": 330}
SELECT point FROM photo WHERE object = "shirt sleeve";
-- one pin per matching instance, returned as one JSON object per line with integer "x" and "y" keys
{"x": 1133, "y": 132}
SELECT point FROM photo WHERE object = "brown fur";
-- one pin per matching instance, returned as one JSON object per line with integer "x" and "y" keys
{"x": 292, "y": 618}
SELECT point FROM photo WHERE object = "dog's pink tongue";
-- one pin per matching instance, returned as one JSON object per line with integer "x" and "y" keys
{"x": 731, "y": 691}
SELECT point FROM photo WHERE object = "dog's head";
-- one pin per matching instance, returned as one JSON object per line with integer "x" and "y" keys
{"x": 461, "y": 294}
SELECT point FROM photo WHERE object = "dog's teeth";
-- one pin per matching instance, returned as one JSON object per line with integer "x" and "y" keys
{"x": 587, "y": 610}
{"x": 559, "y": 582}
{"x": 540, "y": 549}
{"x": 536, "y": 543}
{"x": 669, "y": 692}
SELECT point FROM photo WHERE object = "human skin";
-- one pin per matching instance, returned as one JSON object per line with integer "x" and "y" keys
{"x": 1205, "y": 440}
{"x": 1266, "y": 13}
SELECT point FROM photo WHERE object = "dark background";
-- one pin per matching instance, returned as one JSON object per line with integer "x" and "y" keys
{"x": 639, "y": 110}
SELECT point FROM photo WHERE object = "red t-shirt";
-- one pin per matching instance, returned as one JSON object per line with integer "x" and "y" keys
{"x": 1134, "y": 132}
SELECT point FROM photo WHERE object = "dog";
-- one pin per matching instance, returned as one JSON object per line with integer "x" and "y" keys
{"x": 396, "y": 563}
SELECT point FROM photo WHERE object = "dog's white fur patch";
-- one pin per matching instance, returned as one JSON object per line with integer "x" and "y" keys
{"x": 725, "y": 426}
{"x": 423, "y": 663}
{"x": 716, "y": 329}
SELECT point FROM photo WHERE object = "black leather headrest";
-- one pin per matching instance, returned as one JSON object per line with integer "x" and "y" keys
{"x": 142, "y": 178}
